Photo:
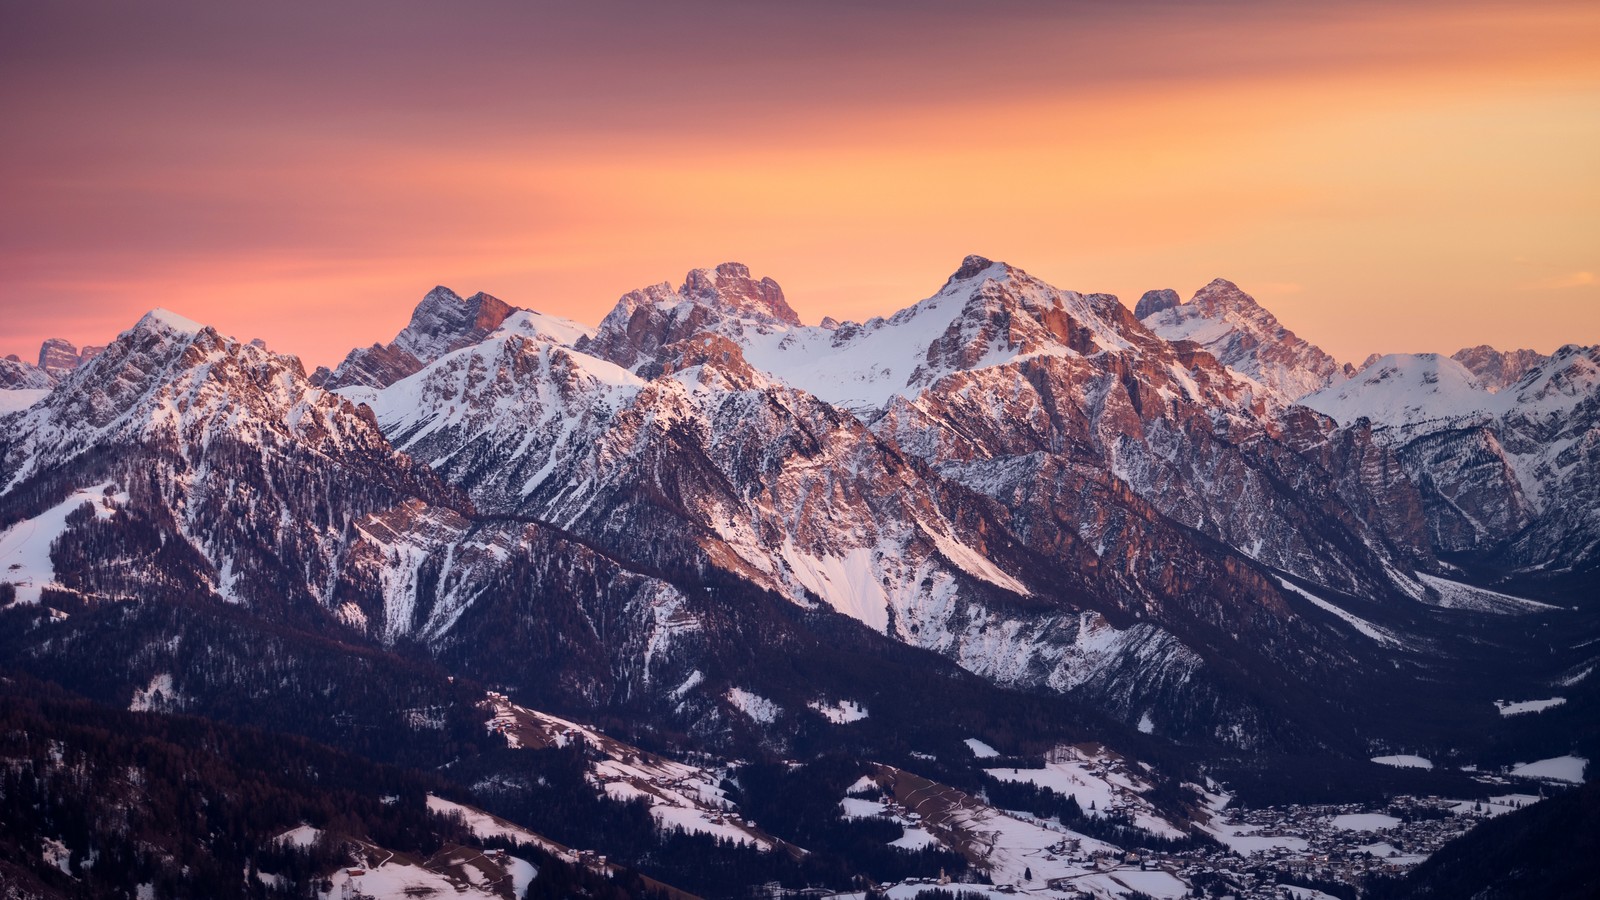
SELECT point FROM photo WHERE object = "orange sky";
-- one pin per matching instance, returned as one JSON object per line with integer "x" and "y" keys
{"x": 1384, "y": 179}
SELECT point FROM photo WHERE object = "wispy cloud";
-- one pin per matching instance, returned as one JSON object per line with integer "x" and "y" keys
{"x": 1562, "y": 282}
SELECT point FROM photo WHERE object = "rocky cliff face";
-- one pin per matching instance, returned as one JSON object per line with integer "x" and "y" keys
{"x": 58, "y": 357}
{"x": 1495, "y": 369}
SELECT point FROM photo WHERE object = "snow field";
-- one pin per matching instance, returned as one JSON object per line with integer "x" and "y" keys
{"x": 1527, "y": 706}
{"x": 1100, "y": 783}
{"x": 25, "y": 546}
{"x": 1560, "y": 768}
{"x": 1404, "y": 761}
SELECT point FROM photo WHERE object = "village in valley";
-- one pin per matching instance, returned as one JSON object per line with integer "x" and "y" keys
{"x": 1294, "y": 852}
{"x": 1273, "y": 853}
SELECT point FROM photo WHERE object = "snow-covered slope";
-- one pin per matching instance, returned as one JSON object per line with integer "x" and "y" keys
{"x": 1408, "y": 391}
{"x": 20, "y": 399}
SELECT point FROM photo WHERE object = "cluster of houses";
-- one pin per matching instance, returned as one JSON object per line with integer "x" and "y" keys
{"x": 1415, "y": 828}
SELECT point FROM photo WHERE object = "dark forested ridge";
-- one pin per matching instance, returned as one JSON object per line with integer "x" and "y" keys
{"x": 183, "y": 803}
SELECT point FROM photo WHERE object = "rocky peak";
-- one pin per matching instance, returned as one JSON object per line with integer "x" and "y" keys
{"x": 1156, "y": 301}
{"x": 971, "y": 267}
{"x": 1221, "y": 296}
{"x": 443, "y": 319}
{"x": 724, "y": 300}
{"x": 730, "y": 287}
{"x": 1244, "y": 336}
{"x": 58, "y": 357}
{"x": 441, "y": 323}
{"x": 1498, "y": 369}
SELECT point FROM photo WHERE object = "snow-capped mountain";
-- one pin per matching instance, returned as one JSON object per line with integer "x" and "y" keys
{"x": 218, "y": 443}
{"x": 1028, "y": 482}
{"x": 904, "y": 471}
{"x": 1243, "y": 336}
{"x": 1510, "y": 475}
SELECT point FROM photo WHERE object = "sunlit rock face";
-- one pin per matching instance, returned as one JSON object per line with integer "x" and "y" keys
{"x": 442, "y": 322}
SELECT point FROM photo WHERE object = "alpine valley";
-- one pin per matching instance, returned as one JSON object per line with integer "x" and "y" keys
{"x": 1016, "y": 590}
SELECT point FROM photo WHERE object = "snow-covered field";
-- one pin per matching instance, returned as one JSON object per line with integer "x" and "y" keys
{"x": 1527, "y": 706}
{"x": 1495, "y": 806}
{"x": 1404, "y": 761}
{"x": 13, "y": 400}
{"x": 301, "y": 836}
{"x": 1559, "y": 768}
{"x": 397, "y": 880}
{"x": 1364, "y": 822}
{"x": 981, "y": 750}
{"x": 842, "y": 713}
{"x": 757, "y": 707}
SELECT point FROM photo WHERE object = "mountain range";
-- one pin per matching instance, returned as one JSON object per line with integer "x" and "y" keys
{"x": 1181, "y": 528}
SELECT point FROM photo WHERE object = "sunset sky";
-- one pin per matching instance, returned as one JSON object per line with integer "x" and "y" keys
{"x": 1384, "y": 176}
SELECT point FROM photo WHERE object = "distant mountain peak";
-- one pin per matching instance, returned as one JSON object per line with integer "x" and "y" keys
{"x": 441, "y": 323}
{"x": 1220, "y": 294}
{"x": 1244, "y": 336}
{"x": 1156, "y": 301}
{"x": 58, "y": 357}
{"x": 169, "y": 321}
{"x": 1498, "y": 369}
{"x": 730, "y": 286}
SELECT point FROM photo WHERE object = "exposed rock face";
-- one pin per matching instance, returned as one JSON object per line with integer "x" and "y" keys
{"x": 442, "y": 322}
{"x": 1156, "y": 301}
{"x": 1243, "y": 336}
{"x": 58, "y": 357}
{"x": 730, "y": 287}
{"x": 1497, "y": 369}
